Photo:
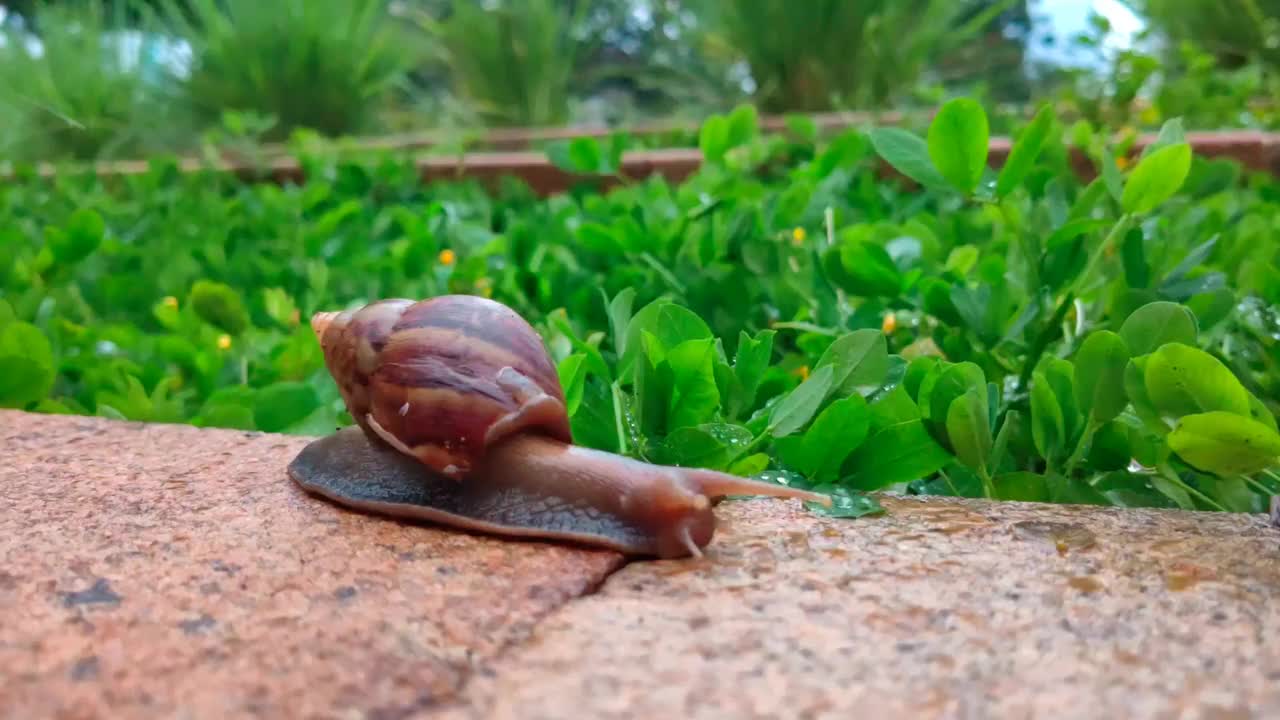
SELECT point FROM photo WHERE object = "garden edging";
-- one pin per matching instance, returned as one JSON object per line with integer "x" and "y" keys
{"x": 1255, "y": 150}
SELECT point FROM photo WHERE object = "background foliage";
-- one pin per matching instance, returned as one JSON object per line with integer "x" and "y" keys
{"x": 1020, "y": 332}
{"x": 130, "y": 78}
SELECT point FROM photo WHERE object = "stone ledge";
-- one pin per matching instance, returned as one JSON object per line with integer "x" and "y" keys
{"x": 168, "y": 571}
{"x": 939, "y": 609}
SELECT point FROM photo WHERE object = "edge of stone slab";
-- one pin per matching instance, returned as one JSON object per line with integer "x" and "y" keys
{"x": 10, "y": 418}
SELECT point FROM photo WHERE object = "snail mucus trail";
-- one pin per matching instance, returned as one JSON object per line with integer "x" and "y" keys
{"x": 461, "y": 421}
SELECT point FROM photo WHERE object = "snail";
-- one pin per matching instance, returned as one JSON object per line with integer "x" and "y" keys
{"x": 460, "y": 419}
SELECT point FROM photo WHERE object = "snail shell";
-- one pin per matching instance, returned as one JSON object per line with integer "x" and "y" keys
{"x": 443, "y": 379}
{"x": 462, "y": 421}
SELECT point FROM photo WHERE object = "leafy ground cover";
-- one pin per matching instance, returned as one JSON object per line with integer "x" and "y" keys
{"x": 788, "y": 313}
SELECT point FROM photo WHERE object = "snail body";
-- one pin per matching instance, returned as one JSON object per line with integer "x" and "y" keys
{"x": 461, "y": 420}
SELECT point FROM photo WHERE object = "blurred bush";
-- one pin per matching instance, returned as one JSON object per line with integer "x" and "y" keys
{"x": 513, "y": 62}
{"x": 317, "y": 64}
{"x": 1235, "y": 32}
{"x": 824, "y": 54}
{"x": 76, "y": 91}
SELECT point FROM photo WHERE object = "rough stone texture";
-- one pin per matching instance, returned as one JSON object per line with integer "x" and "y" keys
{"x": 167, "y": 571}
{"x": 940, "y": 609}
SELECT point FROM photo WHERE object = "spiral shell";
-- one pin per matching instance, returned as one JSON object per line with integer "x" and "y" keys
{"x": 443, "y": 379}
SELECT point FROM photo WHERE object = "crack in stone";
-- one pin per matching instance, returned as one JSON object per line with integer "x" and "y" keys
{"x": 456, "y": 701}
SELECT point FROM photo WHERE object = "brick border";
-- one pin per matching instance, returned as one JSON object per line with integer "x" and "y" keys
{"x": 1255, "y": 150}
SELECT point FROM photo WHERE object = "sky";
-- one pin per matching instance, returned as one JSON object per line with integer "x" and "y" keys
{"x": 1065, "y": 18}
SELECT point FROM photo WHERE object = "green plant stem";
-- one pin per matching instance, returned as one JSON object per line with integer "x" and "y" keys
{"x": 1259, "y": 487}
{"x": 988, "y": 485}
{"x": 805, "y": 327}
{"x": 1086, "y": 437}
{"x": 617, "y": 418}
{"x": 1168, "y": 474}
{"x": 1117, "y": 231}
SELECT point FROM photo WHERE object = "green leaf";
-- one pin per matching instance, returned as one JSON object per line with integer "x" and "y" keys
{"x": 1060, "y": 374}
{"x": 1156, "y": 178}
{"x": 958, "y": 143}
{"x": 620, "y": 318}
{"x": 1047, "y": 425}
{"x": 22, "y": 339}
{"x": 79, "y": 238}
{"x": 219, "y": 305}
{"x": 1156, "y": 324}
{"x": 23, "y": 381}
{"x": 1171, "y": 133}
{"x": 711, "y": 446}
{"x": 1183, "y": 380}
{"x": 863, "y": 269}
{"x": 280, "y": 307}
{"x": 860, "y": 361}
{"x": 837, "y": 431}
{"x": 671, "y": 324}
{"x": 714, "y": 138}
{"x": 572, "y": 372}
{"x": 968, "y": 429}
{"x": 908, "y": 154}
{"x": 1135, "y": 388}
{"x": 1110, "y": 175}
{"x": 1021, "y": 487}
{"x": 1126, "y": 489}
{"x": 696, "y": 396}
{"x": 799, "y": 406}
{"x": 1258, "y": 411}
{"x": 938, "y": 390}
{"x": 1023, "y": 154}
{"x": 1070, "y": 491}
{"x": 1099, "y": 375}
{"x": 278, "y": 406}
{"x": 898, "y": 449}
{"x": 751, "y": 361}
{"x": 599, "y": 238}
{"x": 1225, "y": 443}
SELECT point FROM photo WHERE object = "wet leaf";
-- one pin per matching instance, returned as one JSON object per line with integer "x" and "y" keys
{"x": 836, "y": 432}
{"x": 1225, "y": 443}
{"x": 846, "y": 504}
{"x": 1182, "y": 380}
{"x": 798, "y": 407}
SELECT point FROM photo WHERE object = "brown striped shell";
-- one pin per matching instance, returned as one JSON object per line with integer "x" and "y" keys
{"x": 442, "y": 379}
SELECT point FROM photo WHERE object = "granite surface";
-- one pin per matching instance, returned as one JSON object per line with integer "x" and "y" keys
{"x": 167, "y": 571}
{"x": 938, "y": 609}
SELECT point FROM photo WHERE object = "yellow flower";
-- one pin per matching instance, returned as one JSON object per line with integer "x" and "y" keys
{"x": 224, "y": 342}
{"x": 171, "y": 301}
{"x": 1122, "y": 161}
{"x": 889, "y": 324}
{"x": 797, "y": 236}
{"x": 447, "y": 257}
{"x": 802, "y": 371}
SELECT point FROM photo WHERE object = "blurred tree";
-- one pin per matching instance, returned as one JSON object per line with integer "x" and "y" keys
{"x": 1235, "y": 32}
